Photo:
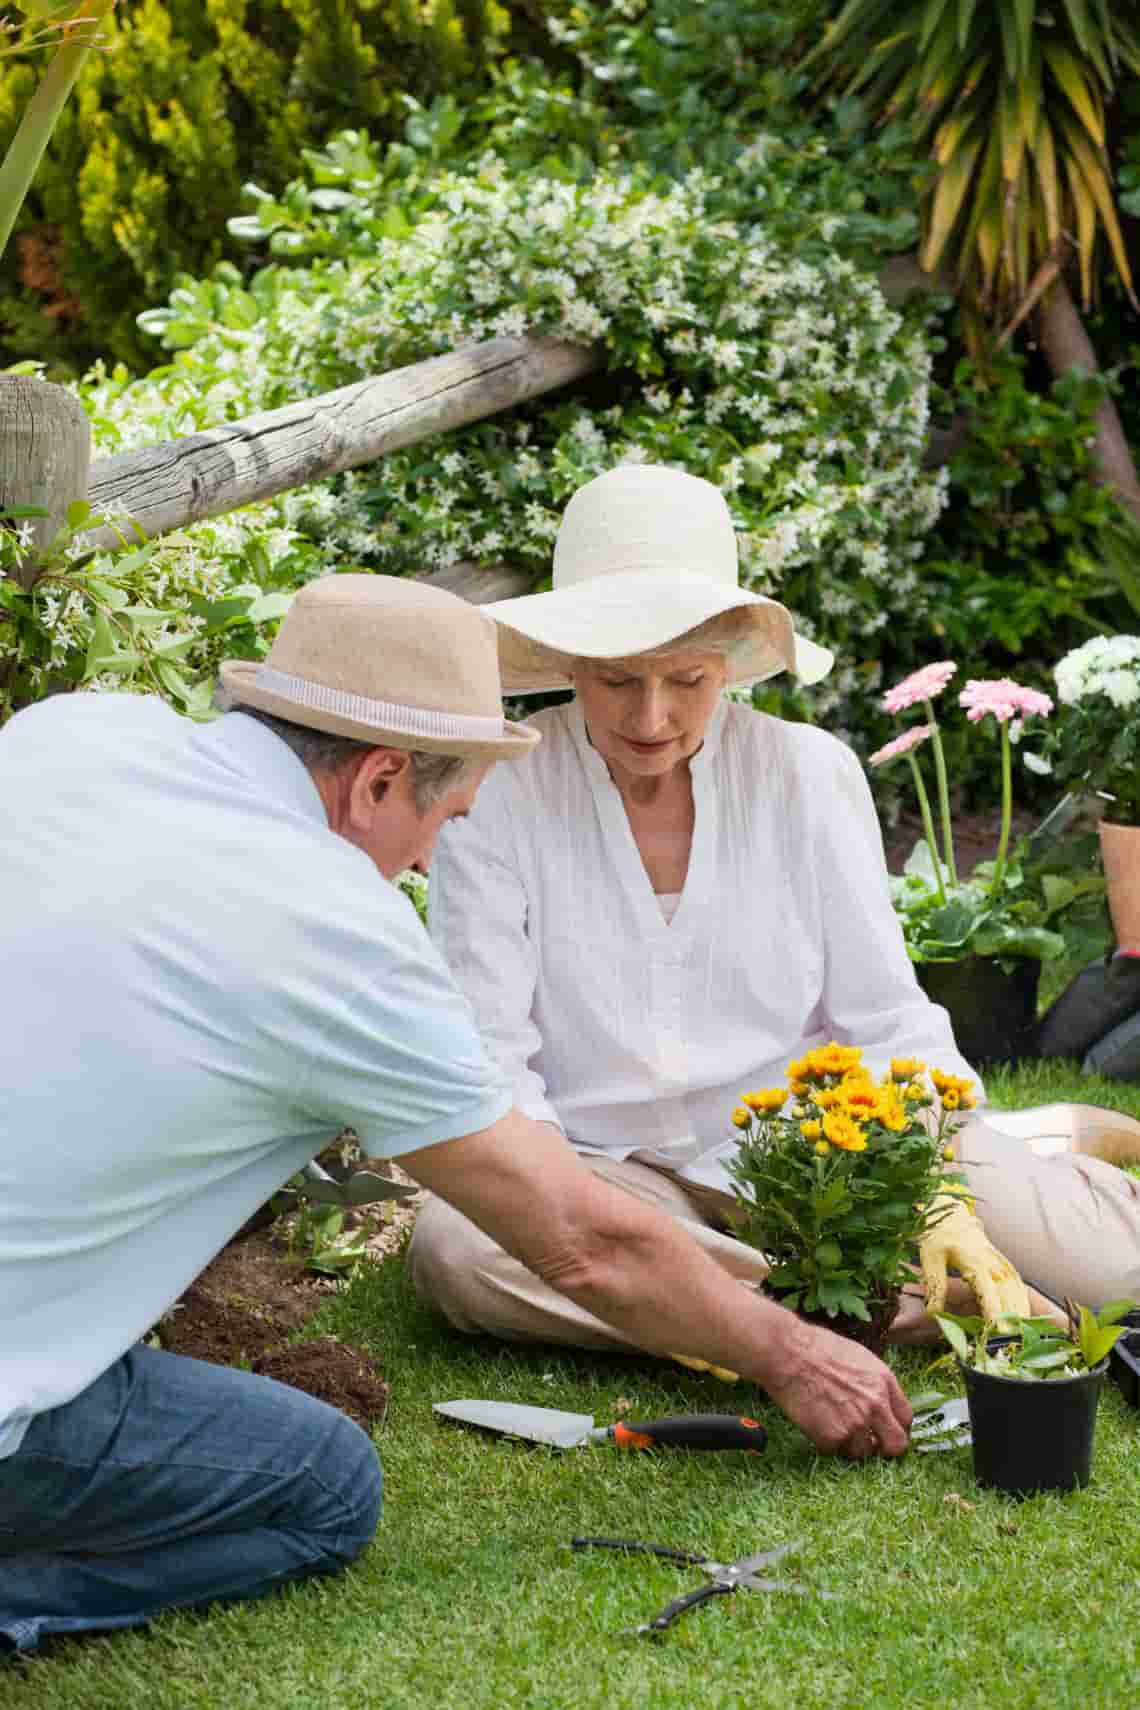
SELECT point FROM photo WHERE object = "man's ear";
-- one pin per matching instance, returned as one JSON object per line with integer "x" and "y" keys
{"x": 380, "y": 771}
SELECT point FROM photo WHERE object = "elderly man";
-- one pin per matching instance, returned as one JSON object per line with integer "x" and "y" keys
{"x": 204, "y": 979}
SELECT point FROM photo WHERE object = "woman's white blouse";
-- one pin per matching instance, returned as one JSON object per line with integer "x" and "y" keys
{"x": 636, "y": 1034}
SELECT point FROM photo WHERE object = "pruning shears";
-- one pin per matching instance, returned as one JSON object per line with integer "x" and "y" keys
{"x": 723, "y": 1577}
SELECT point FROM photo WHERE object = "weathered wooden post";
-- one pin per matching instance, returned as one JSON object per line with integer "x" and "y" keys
{"x": 45, "y": 456}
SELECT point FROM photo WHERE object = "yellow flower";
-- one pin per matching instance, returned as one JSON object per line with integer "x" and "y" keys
{"x": 770, "y": 1099}
{"x": 861, "y": 1100}
{"x": 948, "y": 1154}
{"x": 954, "y": 1090}
{"x": 916, "y": 1093}
{"x": 811, "y": 1130}
{"x": 741, "y": 1117}
{"x": 893, "y": 1113}
{"x": 906, "y": 1068}
{"x": 827, "y": 1099}
{"x": 799, "y": 1089}
{"x": 825, "y": 1061}
{"x": 822, "y": 1148}
{"x": 843, "y": 1132}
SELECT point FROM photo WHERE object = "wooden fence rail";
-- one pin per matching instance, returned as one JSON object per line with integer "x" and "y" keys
{"x": 164, "y": 487}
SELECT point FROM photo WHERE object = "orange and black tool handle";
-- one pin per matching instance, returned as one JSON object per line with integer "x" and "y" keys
{"x": 686, "y": 1431}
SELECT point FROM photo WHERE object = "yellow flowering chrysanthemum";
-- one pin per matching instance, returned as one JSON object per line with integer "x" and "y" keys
{"x": 828, "y": 1099}
{"x": 916, "y": 1093}
{"x": 769, "y": 1099}
{"x": 906, "y": 1068}
{"x": 822, "y": 1148}
{"x": 741, "y": 1117}
{"x": 951, "y": 1098}
{"x": 811, "y": 1130}
{"x": 843, "y": 1132}
{"x": 798, "y": 1088}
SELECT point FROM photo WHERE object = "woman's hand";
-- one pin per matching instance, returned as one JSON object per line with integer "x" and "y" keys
{"x": 913, "y": 1327}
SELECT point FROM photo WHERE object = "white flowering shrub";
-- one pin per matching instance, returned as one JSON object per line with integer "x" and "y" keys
{"x": 782, "y": 376}
{"x": 1095, "y": 740}
{"x": 744, "y": 343}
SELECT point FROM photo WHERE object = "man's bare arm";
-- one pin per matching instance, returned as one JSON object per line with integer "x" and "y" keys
{"x": 638, "y": 1270}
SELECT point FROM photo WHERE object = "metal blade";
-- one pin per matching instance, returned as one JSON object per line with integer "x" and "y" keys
{"x": 948, "y": 1427}
{"x": 536, "y": 1424}
{"x": 747, "y": 1566}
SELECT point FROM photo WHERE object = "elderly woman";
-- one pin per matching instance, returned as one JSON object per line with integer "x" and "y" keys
{"x": 677, "y": 895}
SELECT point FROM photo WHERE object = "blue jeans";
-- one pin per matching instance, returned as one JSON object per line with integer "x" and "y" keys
{"x": 169, "y": 1483}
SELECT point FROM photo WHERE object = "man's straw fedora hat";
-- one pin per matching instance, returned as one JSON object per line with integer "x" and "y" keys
{"x": 643, "y": 555}
{"x": 385, "y": 661}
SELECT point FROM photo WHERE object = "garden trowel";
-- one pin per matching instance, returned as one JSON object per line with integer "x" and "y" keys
{"x": 349, "y": 1188}
{"x": 568, "y": 1430}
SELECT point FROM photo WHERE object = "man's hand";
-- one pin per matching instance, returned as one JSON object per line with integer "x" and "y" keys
{"x": 841, "y": 1396}
{"x": 642, "y": 1272}
{"x": 959, "y": 1242}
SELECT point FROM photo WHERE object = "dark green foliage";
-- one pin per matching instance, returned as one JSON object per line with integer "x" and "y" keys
{"x": 192, "y": 98}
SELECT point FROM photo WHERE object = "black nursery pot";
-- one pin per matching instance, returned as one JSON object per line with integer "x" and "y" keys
{"x": 1030, "y": 1436}
{"x": 993, "y": 1013}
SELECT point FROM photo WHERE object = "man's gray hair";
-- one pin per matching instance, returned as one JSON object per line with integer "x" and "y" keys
{"x": 433, "y": 775}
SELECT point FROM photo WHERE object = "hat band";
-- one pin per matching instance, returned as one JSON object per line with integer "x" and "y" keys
{"x": 387, "y": 715}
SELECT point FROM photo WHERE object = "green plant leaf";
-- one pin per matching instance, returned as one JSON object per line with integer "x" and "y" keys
{"x": 955, "y": 1335}
{"x": 1114, "y": 1312}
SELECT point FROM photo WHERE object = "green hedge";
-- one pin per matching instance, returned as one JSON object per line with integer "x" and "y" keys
{"x": 193, "y": 98}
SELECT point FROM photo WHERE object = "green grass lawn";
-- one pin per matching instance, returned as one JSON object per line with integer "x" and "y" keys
{"x": 471, "y": 1598}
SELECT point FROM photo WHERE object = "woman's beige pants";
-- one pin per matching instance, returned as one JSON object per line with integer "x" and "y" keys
{"x": 1069, "y": 1222}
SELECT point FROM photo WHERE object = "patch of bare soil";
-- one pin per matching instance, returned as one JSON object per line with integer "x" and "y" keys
{"x": 242, "y": 1310}
{"x": 334, "y": 1372}
{"x": 975, "y": 837}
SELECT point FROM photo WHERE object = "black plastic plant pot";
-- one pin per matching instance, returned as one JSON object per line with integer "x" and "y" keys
{"x": 1124, "y": 1364}
{"x": 1124, "y": 1360}
{"x": 1031, "y": 1436}
{"x": 993, "y": 1011}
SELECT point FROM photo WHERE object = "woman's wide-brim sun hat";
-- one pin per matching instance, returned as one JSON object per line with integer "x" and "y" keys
{"x": 643, "y": 555}
{"x": 385, "y": 661}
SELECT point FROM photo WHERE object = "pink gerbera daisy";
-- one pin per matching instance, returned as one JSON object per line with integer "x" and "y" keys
{"x": 919, "y": 686}
{"x": 901, "y": 744}
{"x": 1003, "y": 698}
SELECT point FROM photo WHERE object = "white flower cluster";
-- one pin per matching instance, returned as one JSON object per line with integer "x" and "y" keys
{"x": 1108, "y": 665}
{"x": 784, "y": 377}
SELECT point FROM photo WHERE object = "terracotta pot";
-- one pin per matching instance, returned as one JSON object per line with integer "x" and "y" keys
{"x": 1120, "y": 851}
{"x": 993, "y": 1011}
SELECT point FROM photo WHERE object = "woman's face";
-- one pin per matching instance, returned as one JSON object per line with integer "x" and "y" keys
{"x": 647, "y": 714}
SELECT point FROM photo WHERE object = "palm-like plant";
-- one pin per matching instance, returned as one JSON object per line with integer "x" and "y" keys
{"x": 1011, "y": 96}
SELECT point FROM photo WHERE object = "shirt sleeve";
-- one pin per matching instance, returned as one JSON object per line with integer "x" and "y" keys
{"x": 477, "y": 914}
{"x": 871, "y": 997}
{"x": 400, "y": 1059}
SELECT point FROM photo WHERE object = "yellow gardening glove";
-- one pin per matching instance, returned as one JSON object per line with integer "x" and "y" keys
{"x": 958, "y": 1242}
{"x": 694, "y": 1365}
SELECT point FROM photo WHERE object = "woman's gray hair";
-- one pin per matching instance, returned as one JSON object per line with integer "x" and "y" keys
{"x": 730, "y": 634}
{"x": 433, "y": 775}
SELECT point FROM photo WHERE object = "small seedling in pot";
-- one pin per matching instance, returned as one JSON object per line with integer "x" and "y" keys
{"x": 1037, "y": 1349}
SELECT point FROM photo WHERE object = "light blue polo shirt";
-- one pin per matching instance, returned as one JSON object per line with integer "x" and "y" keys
{"x": 200, "y": 984}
